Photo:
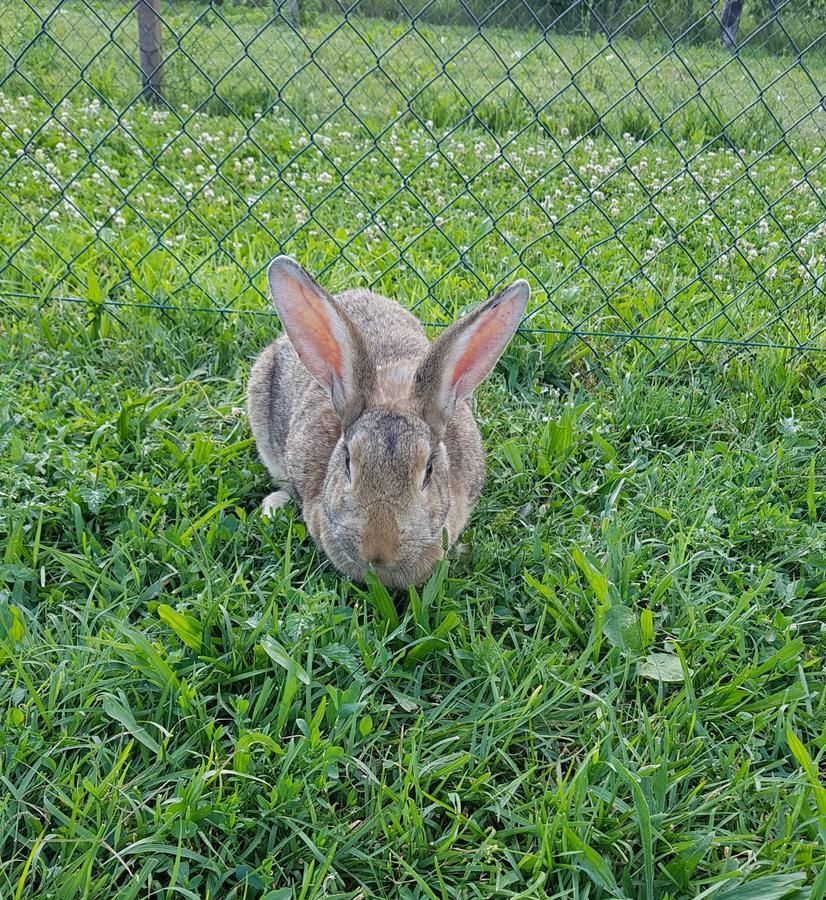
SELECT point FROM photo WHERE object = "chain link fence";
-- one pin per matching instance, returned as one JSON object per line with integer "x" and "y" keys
{"x": 656, "y": 170}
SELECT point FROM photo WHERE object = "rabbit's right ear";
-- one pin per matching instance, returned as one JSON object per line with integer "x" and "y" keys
{"x": 327, "y": 342}
{"x": 464, "y": 354}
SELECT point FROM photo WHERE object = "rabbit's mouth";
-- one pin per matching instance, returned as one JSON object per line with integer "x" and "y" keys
{"x": 397, "y": 575}
{"x": 400, "y": 574}
{"x": 413, "y": 565}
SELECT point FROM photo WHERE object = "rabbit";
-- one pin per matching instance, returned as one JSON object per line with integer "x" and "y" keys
{"x": 368, "y": 425}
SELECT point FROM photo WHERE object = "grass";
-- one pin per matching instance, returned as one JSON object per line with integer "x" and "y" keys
{"x": 615, "y": 686}
{"x": 614, "y": 690}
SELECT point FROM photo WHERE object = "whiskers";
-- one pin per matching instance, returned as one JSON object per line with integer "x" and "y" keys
{"x": 416, "y": 554}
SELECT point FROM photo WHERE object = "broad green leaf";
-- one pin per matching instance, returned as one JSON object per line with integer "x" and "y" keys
{"x": 241, "y": 757}
{"x": 279, "y": 655}
{"x": 510, "y": 451}
{"x": 249, "y": 877}
{"x": 144, "y": 656}
{"x": 593, "y": 864}
{"x": 120, "y": 713}
{"x": 818, "y": 889}
{"x": 288, "y": 691}
{"x": 647, "y": 627}
{"x": 16, "y": 572}
{"x": 17, "y": 630}
{"x": 607, "y": 451}
{"x": 661, "y": 588}
{"x": 407, "y": 703}
{"x": 381, "y": 600}
{"x": 684, "y": 864}
{"x": 431, "y": 590}
{"x": 365, "y": 726}
{"x": 423, "y": 647}
{"x": 661, "y": 667}
{"x": 186, "y": 627}
{"x": 644, "y": 822}
{"x": 556, "y": 606}
{"x": 122, "y": 425}
{"x": 557, "y": 438}
{"x": 12, "y": 628}
{"x": 805, "y": 761}
{"x": 769, "y": 887}
{"x": 595, "y": 578}
{"x": 622, "y": 628}
{"x": 93, "y": 291}
{"x": 280, "y": 894}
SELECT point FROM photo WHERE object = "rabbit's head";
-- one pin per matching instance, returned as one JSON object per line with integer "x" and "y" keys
{"x": 397, "y": 468}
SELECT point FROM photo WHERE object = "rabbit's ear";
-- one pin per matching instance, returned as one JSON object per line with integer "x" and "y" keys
{"x": 327, "y": 342}
{"x": 464, "y": 354}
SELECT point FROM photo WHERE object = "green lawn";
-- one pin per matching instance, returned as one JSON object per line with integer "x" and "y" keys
{"x": 156, "y": 741}
{"x": 615, "y": 687}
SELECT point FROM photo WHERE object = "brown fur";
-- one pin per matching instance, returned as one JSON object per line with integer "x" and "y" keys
{"x": 390, "y": 423}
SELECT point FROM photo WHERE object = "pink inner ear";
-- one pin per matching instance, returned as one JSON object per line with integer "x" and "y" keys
{"x": 482, "y": 348}
{"x": 312, "y": 331}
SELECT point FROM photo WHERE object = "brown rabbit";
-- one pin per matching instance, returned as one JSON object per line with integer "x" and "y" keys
{"x": 369, "y": 426}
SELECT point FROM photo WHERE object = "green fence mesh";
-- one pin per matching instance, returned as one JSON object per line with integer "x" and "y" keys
{"x": 656, "y": 170}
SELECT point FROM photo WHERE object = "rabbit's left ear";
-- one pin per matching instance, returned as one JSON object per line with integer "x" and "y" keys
{"x": 465, "y": 353}
{"x": 327, "y": 342}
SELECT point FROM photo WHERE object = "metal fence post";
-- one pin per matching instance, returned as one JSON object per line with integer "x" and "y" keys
{"x": 149, "y": 42}
{"x": 731, "y": 22}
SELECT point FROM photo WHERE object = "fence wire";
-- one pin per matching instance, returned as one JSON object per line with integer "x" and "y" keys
{"x": 656, "y": 170}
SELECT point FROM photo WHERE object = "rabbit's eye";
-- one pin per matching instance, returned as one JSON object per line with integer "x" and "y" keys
{"x": 347, "y": 462}
{"x": 427, "y": 472}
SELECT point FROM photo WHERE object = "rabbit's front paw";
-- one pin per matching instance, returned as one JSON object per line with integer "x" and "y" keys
{"x": 273, "y": 501}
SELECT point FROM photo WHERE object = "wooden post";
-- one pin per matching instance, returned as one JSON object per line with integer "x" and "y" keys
{"x": 731, "y": 22}
{"x": 606, "y": 11}
{"x": 149, "y": 41}
{"x": 293, "y": 13}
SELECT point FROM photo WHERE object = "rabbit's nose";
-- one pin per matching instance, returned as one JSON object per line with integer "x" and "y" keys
{"x": 380, "y": 544}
